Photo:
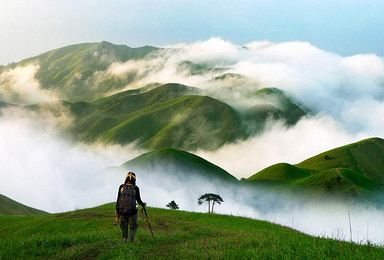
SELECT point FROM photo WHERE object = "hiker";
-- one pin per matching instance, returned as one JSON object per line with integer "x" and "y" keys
{"x": 126, "y": 208}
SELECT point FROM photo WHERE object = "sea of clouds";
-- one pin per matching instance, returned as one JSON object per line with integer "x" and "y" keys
{"x": 43, "y": 168}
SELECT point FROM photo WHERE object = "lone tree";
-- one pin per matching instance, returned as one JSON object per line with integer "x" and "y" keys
{"x": 210, "y": 197}
{"x": 172, "y": 205}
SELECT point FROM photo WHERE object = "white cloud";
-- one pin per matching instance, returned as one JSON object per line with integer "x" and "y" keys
{"x": 57, "y": 174}
{"x": 278, "y": 143}
{"x": 323, "y": 81}
{"x": 19, "y": 85}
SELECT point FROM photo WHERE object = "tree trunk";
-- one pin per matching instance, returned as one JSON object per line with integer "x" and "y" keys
{"x": 209, "y": 205}
{"x": 213, "y": 204}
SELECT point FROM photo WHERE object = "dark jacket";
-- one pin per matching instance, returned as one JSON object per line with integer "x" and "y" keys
{"x": 137, "y": 196}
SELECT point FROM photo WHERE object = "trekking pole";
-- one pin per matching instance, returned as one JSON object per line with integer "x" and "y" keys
{"x": 149, "y": 223}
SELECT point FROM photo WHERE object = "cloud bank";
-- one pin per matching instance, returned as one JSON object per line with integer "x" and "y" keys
{"x": 322, "y": 81}
{"x": 57, "y": 174}
{"x": 19, "y": 86}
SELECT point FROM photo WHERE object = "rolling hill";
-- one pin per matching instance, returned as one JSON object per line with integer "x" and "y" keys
{"x": 354, "y": 170}
{"x": 166, "y": 116}
{"x": 281, "y": 172}
{"x": 11, "y": 207}
{"x": 169, "y": 115}
{"x": 156, "y": 116}
{"x": 89, "y": 233}
{"x": 366, "y": 157}
{"x": 276, "y": 104}
{"x": 179, "y": 164}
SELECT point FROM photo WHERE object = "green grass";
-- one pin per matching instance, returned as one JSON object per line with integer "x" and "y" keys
{"x": 342, "y": 182}
{"x": 89, "y": 233}
{"x": 11, "y": 207}
{"x": 280, "y": 172}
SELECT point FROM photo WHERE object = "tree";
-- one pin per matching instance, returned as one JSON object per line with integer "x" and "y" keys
{"x": 210, "y": 197}
{"x": 172, "y": 205}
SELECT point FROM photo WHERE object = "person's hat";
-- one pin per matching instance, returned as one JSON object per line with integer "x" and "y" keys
{"x": 131, "y": 176}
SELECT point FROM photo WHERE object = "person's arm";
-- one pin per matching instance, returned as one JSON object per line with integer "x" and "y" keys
{"x": 138, "y": 198}
{"x": 117, "y": 201}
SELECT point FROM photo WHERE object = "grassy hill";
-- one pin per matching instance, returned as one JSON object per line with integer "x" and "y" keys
{"x": 89, "y": 233}
{"x": 354, "y": 171}
{"x": 70, "y": 71}
{"x": 181, "y": 164}
{"x": 343, "y": 182}
{"x": 167, "y": 116}
{"x": 156, "y": 116}
{"x": 11, "y": 207}
{"x": 278, "y": 106}
{"x": 366, "y": 157}
{"x": 281, "y": 172}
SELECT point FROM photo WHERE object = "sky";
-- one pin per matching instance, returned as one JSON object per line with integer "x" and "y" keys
{"x": 346, "y": 27}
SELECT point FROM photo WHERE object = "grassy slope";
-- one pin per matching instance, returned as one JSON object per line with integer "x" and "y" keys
{"x": 281, "y": 107}
{"x": 70, "y": 70}
{"x": 354, "y": 170}
{"x": 11, "y": 207}
{"x": 176, "y": 161}
{"x": 366, "y": 157}
{"x": 167, "y": 116}
{"x": 342, "y": 182}
{"x": 178, "y": 235}
{"x": 280, "y": 172}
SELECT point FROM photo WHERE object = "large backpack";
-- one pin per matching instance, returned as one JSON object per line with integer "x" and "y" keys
{"x": 127, "y": 200}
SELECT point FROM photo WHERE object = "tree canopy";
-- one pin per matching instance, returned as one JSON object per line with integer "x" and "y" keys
{"x": 210, "y": 197}
{"x": 172, "y": 205}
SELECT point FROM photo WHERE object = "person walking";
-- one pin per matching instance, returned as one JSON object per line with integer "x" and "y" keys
{"x": 126, "y": 208}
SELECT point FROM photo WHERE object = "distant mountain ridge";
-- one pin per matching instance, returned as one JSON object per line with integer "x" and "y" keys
{"x": 154, "y": 115}
{"x": 70, "y": 71}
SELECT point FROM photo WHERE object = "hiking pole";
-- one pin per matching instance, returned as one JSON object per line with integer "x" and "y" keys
{"x": 149, "y": 223}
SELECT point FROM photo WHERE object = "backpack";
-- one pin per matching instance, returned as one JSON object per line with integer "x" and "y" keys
{"x": 127, "y": 201}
